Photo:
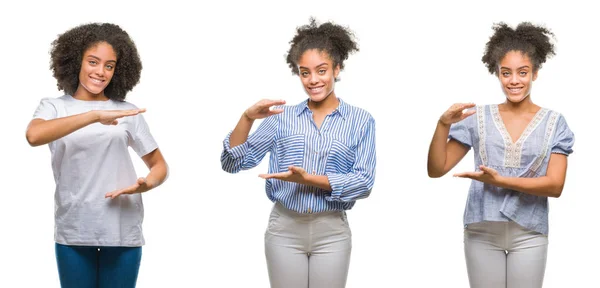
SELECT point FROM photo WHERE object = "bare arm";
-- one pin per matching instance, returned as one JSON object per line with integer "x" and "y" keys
{"x": 550, "y": 185}
{"x": 157, "y": 175}
{"x": 443, "y": 154}
{"x": 241, "y": 131}
{"x": 158, "y": 168}
{"x": 40, "y": 131}
{"x": 260, "y": 110}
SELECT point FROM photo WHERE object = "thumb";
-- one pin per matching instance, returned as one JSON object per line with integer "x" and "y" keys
{"x": 485, "y": 169}
{"x": 141, "y": 180}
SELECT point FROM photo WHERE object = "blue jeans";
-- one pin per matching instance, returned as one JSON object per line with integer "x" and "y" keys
{"x": 98, "y": 267}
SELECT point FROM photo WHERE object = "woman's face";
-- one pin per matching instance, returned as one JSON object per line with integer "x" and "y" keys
{"x": 516, "y": 76}
{"x": 317, "y": 74}
{"x": 97, "y": 68}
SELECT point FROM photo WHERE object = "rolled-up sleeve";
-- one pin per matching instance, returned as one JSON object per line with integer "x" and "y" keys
{"x": 249, "y": 154}
{"x": 357, "y": 184}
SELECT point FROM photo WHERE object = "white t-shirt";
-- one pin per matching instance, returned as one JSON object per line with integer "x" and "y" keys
{"x": 91, "y": 162}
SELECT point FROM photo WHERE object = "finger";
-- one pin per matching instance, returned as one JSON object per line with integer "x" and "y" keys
{"x": 467, "y": 105}
{"x": 274, "y": 112}
{"x": 296, "y": 170}
{"x": 468, "y": 113}
{"x": 468, "y": 174}
{"x": 131, "y": 112}
{"x": 460, "y": 174}
{"x": 487, "y": 169}
{"x": 127, "y": 190}
{"x": 113, "y": 194}
{"x": 141, "y": 181}
{"x": 275, "y": 175}
{"x": 115, "y": 122}
{"x": 109, "y": 194}
{"x": 270, "y": 102}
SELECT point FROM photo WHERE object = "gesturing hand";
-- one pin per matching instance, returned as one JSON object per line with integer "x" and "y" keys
{"x": 262, "y": 109}
{"x": 109, "y": 117}
{"x": 486, "y": 175}
{"x": 455, "y": 113}
{"x": 140, "y": 186}
{"x": 294, "y": 174}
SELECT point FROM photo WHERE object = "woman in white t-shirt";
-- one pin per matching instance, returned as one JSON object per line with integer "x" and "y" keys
{"x": 98, "y": 202}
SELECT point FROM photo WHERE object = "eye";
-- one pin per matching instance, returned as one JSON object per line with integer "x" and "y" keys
{"x": 92, "y": 62}
{"x": 110, "y": 67}
{"x": 523, "y": 73}
{"x": 322, "y": 71}
{"x": 505, "y": 74}
{"x": 304, "y": 73}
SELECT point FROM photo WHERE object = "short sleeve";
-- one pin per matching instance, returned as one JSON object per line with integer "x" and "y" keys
{"x": 142, "y": 142}
{"x": 563, "y": 138}
{"x": 46, "y": 110}
{"x": 460, "y": 131}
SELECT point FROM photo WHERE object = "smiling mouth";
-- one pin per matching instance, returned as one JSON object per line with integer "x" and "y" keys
{"x": 316, "y": 89}
{"x": 515, "y": 90}
{"x": 97, "y": 81}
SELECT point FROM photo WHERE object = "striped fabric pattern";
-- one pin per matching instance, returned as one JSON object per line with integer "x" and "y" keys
{"x": 343, "y": 149}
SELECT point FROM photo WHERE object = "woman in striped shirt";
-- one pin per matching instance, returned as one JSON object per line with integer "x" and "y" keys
{"x": 322, "y": 159}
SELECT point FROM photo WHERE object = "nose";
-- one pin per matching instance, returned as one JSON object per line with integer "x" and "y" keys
{"x": 99, "y": 70}
{"x": 314, "y": 78}
{"x": 514, "y": 79}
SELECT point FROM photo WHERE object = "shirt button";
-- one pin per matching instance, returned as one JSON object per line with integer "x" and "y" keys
{"x": 314, "y": 172}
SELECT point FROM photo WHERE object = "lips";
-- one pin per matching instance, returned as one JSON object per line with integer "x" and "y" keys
{"x": 98, "y": 82}
{"x": 515, "y": 90}
{"x": 315, "y": 90}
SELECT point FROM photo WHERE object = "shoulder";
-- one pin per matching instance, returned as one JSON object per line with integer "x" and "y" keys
{"x": 356, "y": 113}
{"x": 124, "y": 105}
{"x": 56, "y": 101}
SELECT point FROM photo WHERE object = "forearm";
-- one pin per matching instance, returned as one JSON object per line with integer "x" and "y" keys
{"x": 436, "y": 160}
{"x": 319, "y": 181}
{"x": 241, "y": 131}
{"x": 41, "y": 132}
{"x": 540, "y": 186}
{"x": 157, "y": 175}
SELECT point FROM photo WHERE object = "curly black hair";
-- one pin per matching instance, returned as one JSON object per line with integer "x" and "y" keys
{"x": 529, "y": 39}
{"x": 67, "y": 53}
{"x": 337, "y": 41}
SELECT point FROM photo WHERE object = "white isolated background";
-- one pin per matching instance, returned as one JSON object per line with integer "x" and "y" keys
{"x": 205, "y": 63}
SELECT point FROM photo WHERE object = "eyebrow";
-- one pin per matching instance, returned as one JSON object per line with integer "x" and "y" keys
{"x": 100, "y": 59}
{"x": 301, "y": 67}
{"x": 526, "y": 66}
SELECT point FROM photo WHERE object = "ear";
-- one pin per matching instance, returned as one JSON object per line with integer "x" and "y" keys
{"x": 534, "y": 75}
{"x": 336, "y": 71}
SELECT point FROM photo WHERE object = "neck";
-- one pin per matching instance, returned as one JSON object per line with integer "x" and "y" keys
{"x": 525, "y": 106}
{"x": 327, "y": 106}
{"x": 85, "y": 95}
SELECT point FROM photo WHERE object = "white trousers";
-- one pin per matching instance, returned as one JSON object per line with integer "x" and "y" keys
{"x": 504, "y": 255}
{"x": 307, "y": 250}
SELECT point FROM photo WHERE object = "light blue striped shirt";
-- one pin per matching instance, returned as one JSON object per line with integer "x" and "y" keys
{"x": 343, "y": 149}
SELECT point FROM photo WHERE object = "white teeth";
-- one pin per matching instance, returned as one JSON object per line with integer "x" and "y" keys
{"x": 318, "y": 89}
{"x": 96, "y": 81}
{"x": 515, "y": 90}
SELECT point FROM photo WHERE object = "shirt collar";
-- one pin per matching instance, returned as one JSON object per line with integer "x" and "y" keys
{"x": 342, "y": 108}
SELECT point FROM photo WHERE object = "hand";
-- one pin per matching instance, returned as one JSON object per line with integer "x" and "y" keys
{"x": 294, "y": 174}
{"x": 262, "y": 109}
{"x": 455, "y": 113}
{"x": 486, "y": 175}
{"x": 140, "y": 186}
{"x": 109, "y": 117}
